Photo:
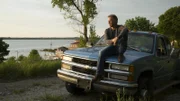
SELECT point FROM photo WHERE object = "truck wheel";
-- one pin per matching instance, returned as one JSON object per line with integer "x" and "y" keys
{"x": 71, "y": 88}
{"x": 145, "y": 89}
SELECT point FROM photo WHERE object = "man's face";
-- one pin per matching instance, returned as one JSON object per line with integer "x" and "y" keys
{"x": 111, "y": 21}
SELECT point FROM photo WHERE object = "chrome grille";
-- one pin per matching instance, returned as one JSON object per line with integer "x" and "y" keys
{"x": 85, "y": 62}
{"x": 83, "y": 70}
{"x": 89, "y": 63}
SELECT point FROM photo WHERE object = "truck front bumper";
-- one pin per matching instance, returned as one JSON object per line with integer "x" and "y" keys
{"x": 105, "y": 85}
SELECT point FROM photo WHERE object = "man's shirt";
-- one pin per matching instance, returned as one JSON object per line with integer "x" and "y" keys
{"x": 122, "y": 35}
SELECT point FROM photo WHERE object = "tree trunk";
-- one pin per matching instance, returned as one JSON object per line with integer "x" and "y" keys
{"x": 85, "y": 33}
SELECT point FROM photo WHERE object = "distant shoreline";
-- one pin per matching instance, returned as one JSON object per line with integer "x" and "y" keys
{"x": 39, "y": 38}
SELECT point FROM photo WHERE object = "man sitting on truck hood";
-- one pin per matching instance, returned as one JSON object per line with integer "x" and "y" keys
{"x": 116, "y": 37}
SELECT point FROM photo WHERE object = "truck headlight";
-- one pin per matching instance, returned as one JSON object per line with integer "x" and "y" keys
{"x": 122, "y": 67}
{"x": 67, "y": 58}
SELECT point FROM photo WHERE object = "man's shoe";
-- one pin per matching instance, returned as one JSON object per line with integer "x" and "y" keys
{"x": 97, "y": 78}
{"x": 121, "y": 58}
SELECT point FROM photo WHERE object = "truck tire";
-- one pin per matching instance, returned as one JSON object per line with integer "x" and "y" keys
{"x": 73, "y": 89}
{"x": 145, "y": 89}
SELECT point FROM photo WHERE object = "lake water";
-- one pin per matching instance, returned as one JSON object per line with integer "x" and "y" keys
{"x": 23, "y": 47}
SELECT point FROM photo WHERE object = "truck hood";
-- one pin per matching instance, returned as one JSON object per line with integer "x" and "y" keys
{"x": 93, "y": 52}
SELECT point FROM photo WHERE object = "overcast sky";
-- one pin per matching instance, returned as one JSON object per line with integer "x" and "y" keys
{"x": 37, "y": 18}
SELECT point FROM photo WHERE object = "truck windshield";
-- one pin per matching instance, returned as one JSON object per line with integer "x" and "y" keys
{"x": 136, "y": 41}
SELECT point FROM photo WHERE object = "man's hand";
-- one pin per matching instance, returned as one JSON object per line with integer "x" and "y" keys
{"x": 114, "y": 40}
{"x": 109, "y": 42}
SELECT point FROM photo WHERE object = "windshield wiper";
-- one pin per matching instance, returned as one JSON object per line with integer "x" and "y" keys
{"x": 136, "y": 49}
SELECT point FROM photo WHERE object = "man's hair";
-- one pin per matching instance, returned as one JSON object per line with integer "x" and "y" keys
{"x": 121, "y": 26}
{"x": 113, "y": 16}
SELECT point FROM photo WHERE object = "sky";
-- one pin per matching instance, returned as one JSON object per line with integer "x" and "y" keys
{"x": 37, "y": 18}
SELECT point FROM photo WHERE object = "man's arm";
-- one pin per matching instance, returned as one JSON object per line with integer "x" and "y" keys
{"x": 123, "y": 32}
{"x": 108, "y": 40}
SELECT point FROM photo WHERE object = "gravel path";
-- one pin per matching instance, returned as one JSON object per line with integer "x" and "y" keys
{"x": 37, "y": 89}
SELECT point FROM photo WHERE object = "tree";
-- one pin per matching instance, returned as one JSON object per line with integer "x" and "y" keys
{"x": 82, "y": 42}
{"x": 80, "y": 11}
{"x": 169, "y": 23}
{"x": 34, "y": 55}
{"x": 140, "y": 23}
{"x": 3, "y": 50}
{"x": 21, "y": 57}
{"x": 12, "y": 58}
{"x": 93, "y": 37}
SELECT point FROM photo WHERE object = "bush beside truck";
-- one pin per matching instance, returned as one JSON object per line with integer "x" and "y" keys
{"x": 27, "y": 67}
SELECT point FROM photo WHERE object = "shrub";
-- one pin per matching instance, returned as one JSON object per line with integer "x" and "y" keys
{"x": 21, "y": 57}
{"x": 11, "y": 58}
{"x": 27, "y": 67}
{"x": 13, "y": 70}
{"x": 82, "y": 42}
{"x": 93, "y": 37}
{"x": 34, "y": 55}
{"x": 10, "y": 70}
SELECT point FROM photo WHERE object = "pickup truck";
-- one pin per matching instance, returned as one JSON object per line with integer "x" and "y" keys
{"x": 151, "y": 64}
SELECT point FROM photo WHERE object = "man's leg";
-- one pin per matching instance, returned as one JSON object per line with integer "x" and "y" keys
{"x": 121, "y": 49}
{"x": 107, "y": 51}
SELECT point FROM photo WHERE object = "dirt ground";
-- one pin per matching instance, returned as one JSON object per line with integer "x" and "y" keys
{"x": 38, "y": 89}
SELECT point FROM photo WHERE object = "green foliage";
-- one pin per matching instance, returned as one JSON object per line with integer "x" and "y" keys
{"x": 81, "y": 12}
{"x": 34, "y": 55}
{"x": 82, "y": 42}
{"x": 93, "y": 38}
{"x": 13, "y": 70}
{"x": 122, "y": 97}
{"x": 50, "y": 97}
{"x": 21, "y": 57}
{"x": 19, "y": 91}
{"x": 140, "y": 24}
{"x": 11, "y": 58}
{"x": 169, "y": 23}
{"x": 3, "y": 50}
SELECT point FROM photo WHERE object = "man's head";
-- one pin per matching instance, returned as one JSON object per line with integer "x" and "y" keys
{"x": 112, "y": 20}
{"x": 121, "y": 27}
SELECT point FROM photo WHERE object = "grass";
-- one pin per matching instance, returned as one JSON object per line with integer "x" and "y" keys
{"x": 169, "y": 91}
{"x": 14, "y": 70}
{"x": 119, "y": 96}
{"x": 1, "y": 98}
{"x": 19, "y": 91}
{"x": 123, "y": 97}
{"x": 49, "y": 97}
{"x": 41, "y": 84}
{"x": 36, "y": 84}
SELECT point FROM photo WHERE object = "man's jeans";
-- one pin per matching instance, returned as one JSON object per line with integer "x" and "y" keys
{"x": 106, "y": 52}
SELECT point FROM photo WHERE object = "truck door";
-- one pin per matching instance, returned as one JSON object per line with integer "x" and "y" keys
{"x": 164, "y": 70}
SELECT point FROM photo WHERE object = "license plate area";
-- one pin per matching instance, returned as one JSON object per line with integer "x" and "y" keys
{"x": 86, "y": 84}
